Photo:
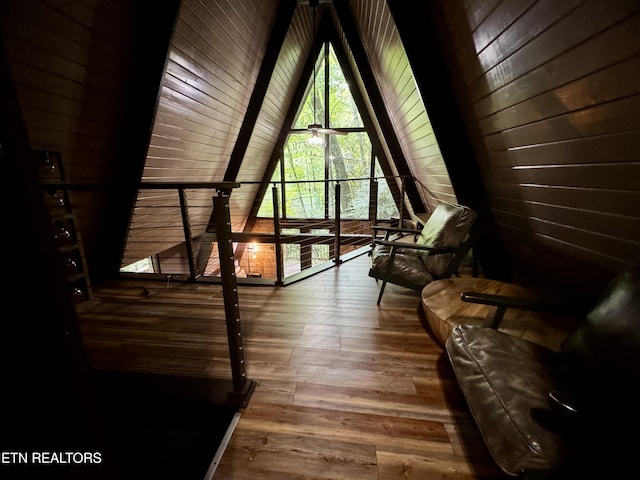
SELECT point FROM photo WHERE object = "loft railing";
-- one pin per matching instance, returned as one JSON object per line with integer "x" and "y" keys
{"x": 195, "y": 222}
{"x": 308, "y": 227}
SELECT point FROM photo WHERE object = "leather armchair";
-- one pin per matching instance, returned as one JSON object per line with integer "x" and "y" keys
{"x": 548, "y": 414}
{"x": 439, "y": 247}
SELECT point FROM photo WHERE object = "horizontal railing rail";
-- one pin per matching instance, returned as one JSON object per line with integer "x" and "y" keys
{"x": 172, "y": 233}
{"x": 276, "y": 249}
{"x": 185, "y": 232}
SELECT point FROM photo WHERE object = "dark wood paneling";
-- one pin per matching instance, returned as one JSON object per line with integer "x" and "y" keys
{"x": 73, "y": 65}
{"x": 218, "y": 48}
{"x": 550, "y": 97}
{"x": 402, "y": 99}
{"x": 504, "y": 42}
{"x": 70, "y": 85}
{"x": 606, "y": 201}
{"x": 611, "y": 83}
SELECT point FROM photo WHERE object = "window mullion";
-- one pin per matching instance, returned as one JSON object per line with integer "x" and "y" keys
{"x": 327, "y": 149}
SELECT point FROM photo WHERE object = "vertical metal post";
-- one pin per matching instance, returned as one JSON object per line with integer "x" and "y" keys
{"x": 306, "y": 251}
{"x": 337, "y": 224}
{"x": 402, "y": 191}
{"x": 188, "y": 238}
{"x": 222, "y": 219}
{"x": 373, "y": 208}
{"x": 276, "y": 232}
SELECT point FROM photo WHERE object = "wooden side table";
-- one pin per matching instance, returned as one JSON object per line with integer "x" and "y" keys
{"x": 444, "y": 309}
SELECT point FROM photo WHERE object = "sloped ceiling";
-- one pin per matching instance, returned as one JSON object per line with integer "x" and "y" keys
{"x": 176, "y": 101}
{"x": 543, "y": 145}
{"x": 214, "y": 65}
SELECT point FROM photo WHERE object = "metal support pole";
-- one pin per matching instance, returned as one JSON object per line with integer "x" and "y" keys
{"x": 276, "y": 232}
{"x": 373, "y": 208}
{"x": 337, "y": 225}
{"x": 402, "y": 191}
{"x": 188, "y": 238}
{"x": 222, "y": 219}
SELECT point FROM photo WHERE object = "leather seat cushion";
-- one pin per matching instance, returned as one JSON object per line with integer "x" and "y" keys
{"x": 407, "y": 264}
{"x": 506, "y": 381}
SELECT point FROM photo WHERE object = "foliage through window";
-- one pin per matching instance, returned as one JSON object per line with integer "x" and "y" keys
{"x": 309, "y": 171}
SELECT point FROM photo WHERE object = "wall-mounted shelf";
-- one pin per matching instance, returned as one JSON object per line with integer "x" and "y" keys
{"x": 66, "y": 235}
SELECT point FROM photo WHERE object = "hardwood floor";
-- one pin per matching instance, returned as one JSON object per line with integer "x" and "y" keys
{"x": 345, "y": 389}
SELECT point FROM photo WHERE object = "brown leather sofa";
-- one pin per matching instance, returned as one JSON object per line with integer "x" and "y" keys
{"x": 567, "y": 414}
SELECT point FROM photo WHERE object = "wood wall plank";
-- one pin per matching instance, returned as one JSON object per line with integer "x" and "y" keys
{"x": 402, "y": 99}
{"x": 551, "y": 100}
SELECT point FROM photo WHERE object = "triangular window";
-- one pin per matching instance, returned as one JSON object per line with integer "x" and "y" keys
{"x": 308, "y": 173}
{"x": 342, "y": 111}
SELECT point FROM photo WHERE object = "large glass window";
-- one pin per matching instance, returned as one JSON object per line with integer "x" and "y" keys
{"x": 310, "y": 171}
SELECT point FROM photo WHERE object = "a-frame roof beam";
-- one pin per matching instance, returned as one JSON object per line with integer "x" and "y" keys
{"x": 360, "y": 56}
{"x": 290, "y": 117}
{"x": 278, "y": 35}
{"x": 332, "y": 36}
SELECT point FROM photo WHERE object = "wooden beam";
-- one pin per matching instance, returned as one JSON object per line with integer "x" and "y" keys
{"x": 279, "y": 33}
{"x": 368, "y": 78}
{"x": 368, "y": 122}
{"x": 419, "y": 39}
{"x": 151, "y": 53}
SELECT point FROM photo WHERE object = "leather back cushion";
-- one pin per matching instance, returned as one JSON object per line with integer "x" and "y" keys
{"x": 608, "y": 341}
{"x": 447, "y": 226}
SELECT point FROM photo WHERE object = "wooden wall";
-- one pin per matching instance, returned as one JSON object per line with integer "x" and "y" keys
{"x": 213, "y": 66}
{"x": 550, "y": 97}
{"x": 70, "y": 90}
{"x": 82, "y": 73}
{"x": 403, "y": 101}
{"x": 41, "y": 343}
{"x": 547, "y": 90}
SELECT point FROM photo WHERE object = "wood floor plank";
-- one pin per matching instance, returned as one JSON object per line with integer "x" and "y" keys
{"x": 365, "y": 429}
{"x": 377, "y": 402}
{"x": 277, "y": 455}
{"x": 396, "y": 465}
{"x": 274, "y": 392}
{"x": 378, "y": 362}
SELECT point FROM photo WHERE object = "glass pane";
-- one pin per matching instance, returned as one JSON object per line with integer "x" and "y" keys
{"x": 386, "y": 206}
{"x": 266, "y": 207}
{"x": 141, "y": 266}
{"x": 305, "y": 115}
{"x": 343, "y": 111}
{"x": 344, "y": 157}
{"x": 350, "y": 157}
{"x": 303, "y": 162}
